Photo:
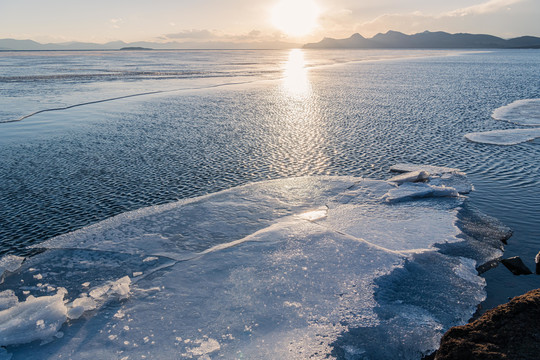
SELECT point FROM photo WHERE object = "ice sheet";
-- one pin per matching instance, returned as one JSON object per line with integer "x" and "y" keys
{"x": 504, "y": 137}
{"x": 281, "y": 269}
{"x": 523, "y": 112}
{"x": 170, "y": 230}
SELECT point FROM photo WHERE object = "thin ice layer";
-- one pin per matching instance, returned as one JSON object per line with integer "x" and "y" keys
{"x": 183, "y": 229}
{"x": 504, "y": 137}
{"x": 523, "y": 112}
{"x": 288, "y": 278}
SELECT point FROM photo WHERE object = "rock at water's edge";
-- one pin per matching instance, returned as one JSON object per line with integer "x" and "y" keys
{"x": 510, "y": 331}
{"x": 516, "y": 266}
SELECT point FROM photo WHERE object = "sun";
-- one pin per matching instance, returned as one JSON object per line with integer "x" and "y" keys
{"x": 295, "y": 17}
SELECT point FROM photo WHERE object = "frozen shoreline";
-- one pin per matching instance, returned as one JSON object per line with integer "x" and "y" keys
{"x": 280, "y": 268}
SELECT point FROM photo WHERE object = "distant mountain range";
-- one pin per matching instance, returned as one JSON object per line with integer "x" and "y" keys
{"x": 426, "y": 40}
{"x": 389, "y": 40}
{"x": 12, "y": 44}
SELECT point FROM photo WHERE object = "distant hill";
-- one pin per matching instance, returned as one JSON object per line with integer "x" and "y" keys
{"x": 12, "y": 44}
{"x": 135, "y": 48}
{"x": 426, "y": 40}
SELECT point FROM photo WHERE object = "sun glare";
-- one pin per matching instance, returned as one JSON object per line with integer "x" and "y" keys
{"x": 295, "y": 77}
{"x": 295, "y": 17}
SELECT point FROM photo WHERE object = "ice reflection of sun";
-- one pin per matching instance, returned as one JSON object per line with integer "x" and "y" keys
{"x": 295, "y": 17}
{"x": 295, "y": 81}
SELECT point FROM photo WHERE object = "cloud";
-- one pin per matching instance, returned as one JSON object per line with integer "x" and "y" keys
{"x": 484, "y": 8}
{"x": 214, "y": 35}
{"x": 411, "y": 22}
{"x": 193, "y": 35}
{"x": 458, "y": 20}
{"x": 116, "y": 22}
{"x": 335, "y": 21}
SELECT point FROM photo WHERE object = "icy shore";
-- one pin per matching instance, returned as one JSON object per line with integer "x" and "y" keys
{"x": 294, "y": 268}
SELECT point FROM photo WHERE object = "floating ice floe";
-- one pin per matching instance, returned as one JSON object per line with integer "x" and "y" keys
{"x": 312, "y": 267}
{"x": 522, "y": 112}
{"x": 504, "y": 137}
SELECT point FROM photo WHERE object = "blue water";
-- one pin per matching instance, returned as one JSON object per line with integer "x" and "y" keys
{"x": 218, "y": 119}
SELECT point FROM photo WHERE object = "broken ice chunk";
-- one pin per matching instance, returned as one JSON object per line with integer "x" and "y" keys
{"x": 413, "y": 176}
{"x": 433, "y": 170}
{"x": 409, "y": 191}
{"x": 34, "y": 319}
{"x": 456, "y": 179}
{"x": 80, "y": 305}
{"x": 118, "y": 288}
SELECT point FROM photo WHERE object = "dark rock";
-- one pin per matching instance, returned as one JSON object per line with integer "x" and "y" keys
{"x": 510, "y": 331}
{"x": 516, "y": 266}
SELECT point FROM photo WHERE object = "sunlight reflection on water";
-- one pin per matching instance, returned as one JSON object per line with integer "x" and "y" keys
{"x": 300, "y": 130}
{"x": 296, "y": 82}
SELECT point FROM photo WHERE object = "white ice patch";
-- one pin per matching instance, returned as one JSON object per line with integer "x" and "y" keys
{"x": 7, "y": 299}
{"x": 203, "y": 347}
{"x": 314, "y": 215}
{"x": 10, "y": 263}
{"x": 119, "y": 288}
{"x": 34, "y": 319}
{"x": 80, "y": 305}
{"x": 433, "y": 170}
{"x": 413, "y": 176}
{"x": 523, "y": 112}
{"x": 467, "y": 271}
{"x": 455, "y": 179}
{"x": 409, "y": 191}
{"x": 504, "y": 137}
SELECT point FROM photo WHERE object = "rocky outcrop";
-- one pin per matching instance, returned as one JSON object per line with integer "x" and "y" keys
{"x": 510, "y": 331}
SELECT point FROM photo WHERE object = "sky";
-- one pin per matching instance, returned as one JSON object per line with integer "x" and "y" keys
{"x": 102, "y": 21}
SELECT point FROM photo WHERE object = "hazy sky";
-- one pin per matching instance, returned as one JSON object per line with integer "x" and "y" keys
{"x": 251, "y": 20}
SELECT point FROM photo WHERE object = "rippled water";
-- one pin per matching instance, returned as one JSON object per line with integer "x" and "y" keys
{"x": 222, "y": 119}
